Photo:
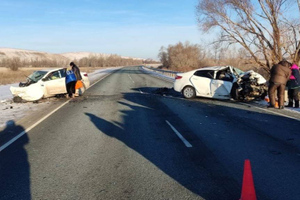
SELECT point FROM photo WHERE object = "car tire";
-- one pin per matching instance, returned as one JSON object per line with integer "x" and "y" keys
{"x": 17, "y": 99}
{"x": 189, "y": 92}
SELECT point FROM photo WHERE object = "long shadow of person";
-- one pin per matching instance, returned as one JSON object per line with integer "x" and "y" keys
{"x": 14, "y": 165}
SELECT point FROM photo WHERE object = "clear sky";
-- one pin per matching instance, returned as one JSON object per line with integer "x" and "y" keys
{"x": 135, "y": 28}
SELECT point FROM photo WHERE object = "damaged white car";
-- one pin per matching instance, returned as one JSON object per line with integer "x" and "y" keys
{"x": 221, "y": 82}
{"x": 45, "y": 83}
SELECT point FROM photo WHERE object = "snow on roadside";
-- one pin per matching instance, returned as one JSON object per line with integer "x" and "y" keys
{"x": 5, "y": 92}
{"x": 93, "y": 77}
{"x": 153, "y": 72}
{"x": 11, "y": 111}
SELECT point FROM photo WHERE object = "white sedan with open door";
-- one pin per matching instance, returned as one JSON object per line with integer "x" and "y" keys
{"x": 45, "y": 83}
{"x": 221, "y": 82}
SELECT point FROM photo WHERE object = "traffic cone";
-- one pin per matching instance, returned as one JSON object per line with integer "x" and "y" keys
{"x": 248, "y": 190}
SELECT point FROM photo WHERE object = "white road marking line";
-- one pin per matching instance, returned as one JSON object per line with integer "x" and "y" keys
{"x": 31, "y": 127}
{"x": 270, "y": 111}
{"x": 130, "y": 78}
{"x": 187, "y": 144}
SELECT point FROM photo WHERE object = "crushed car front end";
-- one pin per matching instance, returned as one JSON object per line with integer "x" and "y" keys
{"x": 249, "y": 86}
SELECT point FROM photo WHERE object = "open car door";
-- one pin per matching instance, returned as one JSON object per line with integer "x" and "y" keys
{"x": 222, "y": 84}
{"x": 54, "y": 82}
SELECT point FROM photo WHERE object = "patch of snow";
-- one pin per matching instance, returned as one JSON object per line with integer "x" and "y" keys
{"x": 5, "y": 93}
{"x": 11, "y": 111}
{"x": 157, "y": 73}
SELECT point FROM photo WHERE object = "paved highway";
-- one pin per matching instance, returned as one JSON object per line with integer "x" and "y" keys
{"x": 123, "y": 140}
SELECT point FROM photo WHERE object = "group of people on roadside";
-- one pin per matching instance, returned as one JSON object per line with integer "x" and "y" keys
{"x": 73, "y": 77}
{"x": 284, "y": 74}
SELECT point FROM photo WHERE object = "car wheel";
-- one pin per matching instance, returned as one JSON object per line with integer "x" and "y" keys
{"x": 189, "y": 92}
{"x": 17, "y": 99}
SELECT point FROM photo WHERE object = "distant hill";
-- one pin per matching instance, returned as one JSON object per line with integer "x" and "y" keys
{"x": 29, "y": 55}
{"x": 80, "y": 55}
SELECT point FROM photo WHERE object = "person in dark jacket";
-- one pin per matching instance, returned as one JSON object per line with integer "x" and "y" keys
{"x": 293, "y": 86}
{"x": 76, "y": 71}
{"x": 280, "y": 74}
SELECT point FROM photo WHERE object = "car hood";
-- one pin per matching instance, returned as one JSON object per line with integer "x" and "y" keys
{"x": 254, "y": 75}
{"x": 32, "y": 92}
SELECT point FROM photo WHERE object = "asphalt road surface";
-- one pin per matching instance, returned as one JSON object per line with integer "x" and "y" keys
{"x": 128, "y": 139}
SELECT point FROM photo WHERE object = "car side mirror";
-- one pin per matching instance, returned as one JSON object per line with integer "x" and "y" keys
{"x": 45, "y": 79}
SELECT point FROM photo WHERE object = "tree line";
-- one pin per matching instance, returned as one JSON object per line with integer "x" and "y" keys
{"x": 110, "y": 61}
{"x": 93, "y": 61}
{"x": 187, "y": 56}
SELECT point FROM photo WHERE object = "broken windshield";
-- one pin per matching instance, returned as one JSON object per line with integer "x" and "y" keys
{"x": 237, "y": 71}
{"x": 37, "y": 75}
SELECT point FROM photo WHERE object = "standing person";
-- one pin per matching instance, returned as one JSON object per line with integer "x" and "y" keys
{"x": 293, "y": 86}
{"x": 70, "y": 83}
{"x": 77, "y": 73}
{"x": 280, "y": 74}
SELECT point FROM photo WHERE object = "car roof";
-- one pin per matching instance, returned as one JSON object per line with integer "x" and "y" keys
{"x": 214, "y": 68}
{"x": 50, "y": 69}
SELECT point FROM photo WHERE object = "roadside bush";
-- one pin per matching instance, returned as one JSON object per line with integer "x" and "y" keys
{"x": 182, "y": 57}
{"x": 14, "y": 64}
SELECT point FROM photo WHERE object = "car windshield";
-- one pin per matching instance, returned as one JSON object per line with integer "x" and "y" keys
{"x": 238, "y": 71}
{"x": 37, "y": 75}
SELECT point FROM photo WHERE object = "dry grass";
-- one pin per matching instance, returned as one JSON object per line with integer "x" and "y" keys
{"x": 8, "y": 76}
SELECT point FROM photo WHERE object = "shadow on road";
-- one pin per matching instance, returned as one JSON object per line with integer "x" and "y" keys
{"x": 195, "y": 169}
{"x": 14, "y": 165}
